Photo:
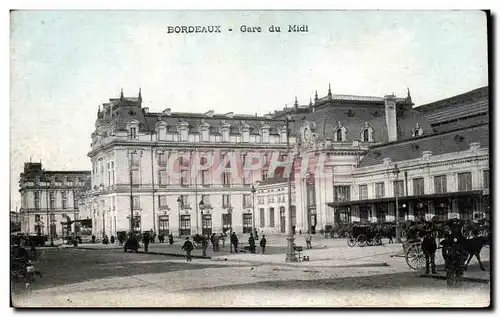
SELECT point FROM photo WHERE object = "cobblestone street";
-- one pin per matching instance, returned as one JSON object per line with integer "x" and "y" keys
{"x": 110, "y": 277}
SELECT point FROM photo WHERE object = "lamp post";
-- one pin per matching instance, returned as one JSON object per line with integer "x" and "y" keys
{"x": 202, "y": 207}
{"x": 179, "y": 202}
{"x": 290, "y": 255}
{"x": 131, "y": 193}
{"x": 253, "y": 207}
{"x": 395, "y": 171}
{"x": 230, "y": 212}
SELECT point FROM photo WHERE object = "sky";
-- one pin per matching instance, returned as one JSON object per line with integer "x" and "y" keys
{"x": 65, "y": 63}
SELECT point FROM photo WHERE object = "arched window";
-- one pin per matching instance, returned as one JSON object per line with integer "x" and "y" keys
{"x": 366, "y": 135}
{"x": 339, "y": 135}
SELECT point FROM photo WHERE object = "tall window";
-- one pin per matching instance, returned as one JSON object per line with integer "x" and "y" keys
{"x": 64, "y": 199}
{"x": 379, "y": 190}
{"x": 136, "y": 179}
{"x": 206, "y": 199}
{"x": 162, "y": 177}
{"x": 184, "y": 201}
{"x": 163, "y": 224}
{"x": 245, "y": 136}
{"x": 271, "y": 217}
{"x": 311, "y": 195}
{"x": 184, "y": 178}
{"x": 418, "y": 186}
{"x": 204, "y": 177}
{"x": 339, "y": 135}
{"x": 247, "y": 200}
{"x": 226, "y": 222}
{"x": 486, "y": 179}
{"x": 363, "y": 192}
{"x": 113, "y": 172}
{"x": 113, "y": 202}
{"x": 366, "y": 135}
{"x": 262, "y": 217}
{"x": 464, "y": 181}
{"x": 264, "y": 175}
{"x": 185, "y": 225}
{"x": 134, "y": 159}
{"x": 399, "y": 188}
{"x": 52, "y": 200}
{"x": 226, "y": 201}
{"x": 226, "y": 178}
{"x": 133, "y": 133}
{"x": 109, "y": 173}
{"x": 136, "y": 202}
{"x": 162, "y": 159}
{"x": 37, "y": 200}
{"x": 162, "y": 201}
{"x": 342, "y": 193}
{"x": 440, "y": 184}
{"x": 247, "y": 223}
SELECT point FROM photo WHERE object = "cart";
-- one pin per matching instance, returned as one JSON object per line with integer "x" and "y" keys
{"x": 363, "y": 235}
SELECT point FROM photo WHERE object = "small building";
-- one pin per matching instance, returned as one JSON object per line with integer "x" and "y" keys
{"x": 49, "y": 200}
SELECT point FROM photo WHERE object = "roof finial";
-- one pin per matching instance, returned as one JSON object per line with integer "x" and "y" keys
{"x": 140, "y": 95}
{"x": 316, "y": 96}
{"x": 296, "y": 104}
{"x": 121, "y": 95}
{"x": 329, "y": 91}
{"x": 409, "y": 95}
{"x": 310, "y": 102}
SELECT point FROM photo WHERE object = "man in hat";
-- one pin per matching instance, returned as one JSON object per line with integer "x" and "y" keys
{"x": 188, "y": 247}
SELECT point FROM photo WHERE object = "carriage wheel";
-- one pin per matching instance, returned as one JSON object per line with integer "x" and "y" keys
{"x": 415, "y": 257}
{"x": 351, "y": 241}
{"x": 370, "y": 242}
{"x": 378, "y": 240}
{"x": 362, "y": 240}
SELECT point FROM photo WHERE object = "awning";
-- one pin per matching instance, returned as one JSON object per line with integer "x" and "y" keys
{"x": 405, "y": 198}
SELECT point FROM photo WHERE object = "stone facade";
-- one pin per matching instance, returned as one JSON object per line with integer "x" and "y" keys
{"x": 49, "y": 199}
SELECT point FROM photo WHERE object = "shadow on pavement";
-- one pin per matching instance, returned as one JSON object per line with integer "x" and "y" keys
{"x": 387, "y": 282}
{"x": 62, "y": 267}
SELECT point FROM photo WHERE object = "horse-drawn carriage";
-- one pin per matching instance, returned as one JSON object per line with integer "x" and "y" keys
{"x": 414, "y": 255}
{"x": 364, "y": 235}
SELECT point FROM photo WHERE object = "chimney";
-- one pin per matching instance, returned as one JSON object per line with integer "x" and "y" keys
{"x": 474, "y": 146}
{"x": 390, "y": 117}
{"x": 426, "y": 155}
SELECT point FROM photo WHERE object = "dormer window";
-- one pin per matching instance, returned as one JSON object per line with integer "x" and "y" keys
{"x": 366, "y": 133}
{"x": 161, "y": 130}
{"x": 283, "y": 135}
{"x": 417, "y": 130}
{"x": 245, "y": 132}
{"x": 133, "y": 133}
{"x": 265, "y": 133}
{"x": 340, "y": 133}
{"x": 204, "y": 129}
{"x": 183, "y": 130}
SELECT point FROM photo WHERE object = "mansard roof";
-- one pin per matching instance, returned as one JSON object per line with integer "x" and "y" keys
{"x": 472, "y": 104}
{"x": 440, "y": 143}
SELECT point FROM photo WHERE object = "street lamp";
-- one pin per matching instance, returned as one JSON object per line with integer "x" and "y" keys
{"x": 179, "y": 202}
{"x": 290, "y": 254}
{"x": 395, "y": 171}
{"x": 202, "y": 207}
{"x": 253, "y": 206}
{"x": 131, "y": 194}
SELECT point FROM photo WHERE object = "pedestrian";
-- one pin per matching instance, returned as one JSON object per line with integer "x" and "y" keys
{"x": 212, "y": 241}
{"x": 146, "y": 238}
{"x": 234, "y": 242}
{"x": 217, "y": 245}
{"x": 188, "y": 247}
{"x": 170, "y": 239}
{"x": 308, "y": 240}
{"x": 251, "y": 242}
{"x": 263, "y": 242}
{"x": 204, "y": 244}
{"x": 222, "y": 238}
{"x": 153, "y": 237}
{"x": 429, "y": 248}
{"x": 112, "y": 239}
{"x": 256, "y": 234}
